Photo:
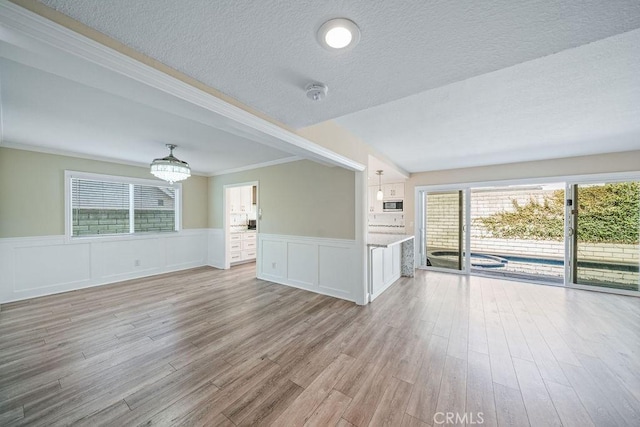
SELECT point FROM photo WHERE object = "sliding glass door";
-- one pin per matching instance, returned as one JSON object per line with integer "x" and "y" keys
{"x": 518, "y": 231}
{"x": 581, "y": 232}
{"x": 443, "y": 233}
{"x": 604, "y": 238}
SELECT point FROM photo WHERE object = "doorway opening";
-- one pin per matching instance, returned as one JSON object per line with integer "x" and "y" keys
{"x": 241, "y": 225}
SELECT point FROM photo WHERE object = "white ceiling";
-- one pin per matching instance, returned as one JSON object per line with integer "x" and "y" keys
{"x": 389, "y": 173}
{"x": 263, "y": 53}
{"x": 432, "y": 85}
{"x": 580, "y": 101}
{"x": 43, "y": 110}
{"x": 62, "y": 93}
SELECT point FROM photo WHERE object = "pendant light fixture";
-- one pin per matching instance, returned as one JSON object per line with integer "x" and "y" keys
{"x": 170, "y": 168}
{"x": 379, "y": 194}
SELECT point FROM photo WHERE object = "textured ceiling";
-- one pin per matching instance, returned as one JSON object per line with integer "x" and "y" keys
{"x": 45, "y": 110}
{"x": 577, "y": 102}
{"x": 263, "y": 53}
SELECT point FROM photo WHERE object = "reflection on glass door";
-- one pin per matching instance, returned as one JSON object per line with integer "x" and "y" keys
{"x": 444, "y": 230}
{"x": 606, "y": 229}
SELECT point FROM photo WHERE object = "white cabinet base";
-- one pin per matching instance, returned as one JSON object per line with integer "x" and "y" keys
{"x": 242, "y": 247}
{"x": 384, "y": 265}
{"x": 387, "y": 264}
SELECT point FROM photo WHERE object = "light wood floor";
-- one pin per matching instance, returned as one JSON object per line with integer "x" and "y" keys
{"x": 210, "y": 347}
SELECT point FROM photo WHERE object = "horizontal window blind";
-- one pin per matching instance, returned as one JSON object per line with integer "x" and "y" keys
{"x": 154, "y": 208}
{"x": 112, "y": 207}
{"x": 150, "y": 197}
{"x": 89, "y": 194}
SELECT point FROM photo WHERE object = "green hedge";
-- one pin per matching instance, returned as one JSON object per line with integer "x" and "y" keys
{"x": 608, "y": 214}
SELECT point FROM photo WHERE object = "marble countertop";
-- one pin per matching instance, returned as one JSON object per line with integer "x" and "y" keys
{"x": 383, "y": 240}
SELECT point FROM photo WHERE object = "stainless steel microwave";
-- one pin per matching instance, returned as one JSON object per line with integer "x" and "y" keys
{"x": 392, "y": 206}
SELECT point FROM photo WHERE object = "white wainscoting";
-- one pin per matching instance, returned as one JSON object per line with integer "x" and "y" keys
{"x": 325, "y": 266}
{"x": 216, "y": 248}
{"x": 37, "y": 266}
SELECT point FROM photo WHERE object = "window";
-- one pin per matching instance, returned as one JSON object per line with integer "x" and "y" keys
{"x": 101, "y": 205}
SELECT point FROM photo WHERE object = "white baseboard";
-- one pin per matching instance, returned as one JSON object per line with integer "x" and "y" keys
{"x": 324, "y": 266}
{"x": 36, "y": 266}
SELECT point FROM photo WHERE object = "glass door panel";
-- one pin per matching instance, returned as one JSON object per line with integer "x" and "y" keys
{"x": 606, "y": 230}
{"x": 444, "y": 230}
{"x": 518, "y": 231}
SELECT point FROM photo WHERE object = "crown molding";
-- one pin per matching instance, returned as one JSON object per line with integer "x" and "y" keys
{"x": 258, "y": 165}
{"x": 74, "y": 154}
{"x": 21, "y": 27}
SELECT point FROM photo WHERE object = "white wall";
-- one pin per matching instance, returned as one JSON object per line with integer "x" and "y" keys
{"x": 36, "y": 266}
{"x": 216, "y": 248}
{"x": 325, "y": 266}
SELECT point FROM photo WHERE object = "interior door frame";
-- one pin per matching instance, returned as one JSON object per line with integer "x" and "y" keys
{"x": 226, "y": 209}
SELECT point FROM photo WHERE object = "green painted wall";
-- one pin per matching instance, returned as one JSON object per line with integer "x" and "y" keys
{"x": 300, "y": 198}
{"x": 32, "y": 191}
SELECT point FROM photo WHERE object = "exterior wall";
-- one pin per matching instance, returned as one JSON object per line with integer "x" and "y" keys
{"x": 90, "y": 222}
{"x": 443, "y": 221}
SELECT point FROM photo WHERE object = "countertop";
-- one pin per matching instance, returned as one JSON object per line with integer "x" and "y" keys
{"x": 242, "y": 230}
{"x": 383, "y": 240}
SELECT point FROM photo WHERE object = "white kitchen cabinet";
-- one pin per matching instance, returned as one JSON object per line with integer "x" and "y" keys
{"x": 242, "y": 246}
{"x": 235, "y": 246}
{"x": 249, "y": 245}
{"x": 385, "y": 268}
{"x": 240, "y": 199}
{"x": 375, "y": 205}
{"x": 393, "y": 191}
{"x": 248, "y": 254}
{"x": 377, "y": 273}
{"x": 245, "y": 199}
{"x": 234, "y": 200}
{"x": 396, "y": 252}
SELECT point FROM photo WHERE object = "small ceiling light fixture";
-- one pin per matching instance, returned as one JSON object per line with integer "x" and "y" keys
{"x": 338, "y": 33}
{"x": 316, "y": 91}
{"x": 379, "y": 194}
{"x": 170, "y": 168}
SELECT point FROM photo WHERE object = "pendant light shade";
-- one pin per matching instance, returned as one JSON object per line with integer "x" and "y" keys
{"x": 170, "y": 168}
{"x": 379, "y": 194}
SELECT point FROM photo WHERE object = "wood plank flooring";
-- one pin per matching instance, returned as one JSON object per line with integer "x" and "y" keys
{"x": 211, "y": 347}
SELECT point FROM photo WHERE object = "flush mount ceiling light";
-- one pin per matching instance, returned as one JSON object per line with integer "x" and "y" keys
{"x": 379, "y": 194}
{"x": 339, "y": 33}
{"x": 169, "y": 168}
